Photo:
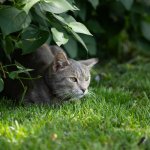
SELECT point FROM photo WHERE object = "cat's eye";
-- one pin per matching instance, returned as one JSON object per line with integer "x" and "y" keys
{"x": 73, "y": 79}
{"x": 87, "y": 78}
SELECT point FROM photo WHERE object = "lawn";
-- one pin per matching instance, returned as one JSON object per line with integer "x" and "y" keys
{"x": 115, "y": 115}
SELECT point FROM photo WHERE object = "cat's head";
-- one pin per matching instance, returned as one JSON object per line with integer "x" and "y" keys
{"x": 68, "y": 78}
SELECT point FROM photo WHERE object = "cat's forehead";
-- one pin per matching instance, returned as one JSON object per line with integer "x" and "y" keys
{"x": 78, "y": 69}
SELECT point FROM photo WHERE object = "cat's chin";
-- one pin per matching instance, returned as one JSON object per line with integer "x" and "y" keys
{"x": 75, "y": 96}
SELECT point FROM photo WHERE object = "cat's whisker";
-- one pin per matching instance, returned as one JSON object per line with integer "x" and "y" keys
{"x": 60, "y": 92}
{"x": 63, "y": 97}
{"x": 71, "y": 95}
{"x": 90, "y": 93}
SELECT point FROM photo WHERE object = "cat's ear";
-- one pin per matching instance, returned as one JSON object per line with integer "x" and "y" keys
{"x": 89, "y": 62}
{"x": 60, "y": 61}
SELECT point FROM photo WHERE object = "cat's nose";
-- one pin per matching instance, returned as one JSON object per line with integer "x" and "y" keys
{"x": 83, "y": 90}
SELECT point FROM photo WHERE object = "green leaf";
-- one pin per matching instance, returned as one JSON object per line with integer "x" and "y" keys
{"x": 33, "y": 38}
{"x": 69, "y": 18}
{"x": 56, "y": 6}
{"x": 145, "y": 27}
{"x": 59, "y": 37}
{"x": 71, "y": 48}
{"x": 60, "y": 19}
{"x": 90, "y": 43}
{"x": 39, "y": 16}
{"x": 66, "y": 20}
{"x": 79, "y": 28}
{"x": 8, "y": 45}
{"x": 127, "y": 3}
{"x": 26, "y": 22}
{"x": 15, "y": 74}
{"x": 94, "y": 3}
{"x": 29, "y": 4}
{"x": 19, "y": 66}
{"x": 77, "y": 37}
{"x": 71, "y": 1}
{"x": 1, "y": 84}
{"x": 71, "y": 22}
{"x": 12, "y": 20}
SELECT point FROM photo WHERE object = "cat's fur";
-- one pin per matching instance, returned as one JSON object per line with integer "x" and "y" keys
{"x": 62, "y": 78}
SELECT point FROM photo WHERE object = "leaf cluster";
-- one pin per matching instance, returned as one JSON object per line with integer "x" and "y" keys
{"x": 121, "y": 28}
{"x": 27, "y": 24}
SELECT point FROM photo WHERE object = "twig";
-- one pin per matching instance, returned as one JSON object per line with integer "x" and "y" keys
{"x": 1, "y": 66}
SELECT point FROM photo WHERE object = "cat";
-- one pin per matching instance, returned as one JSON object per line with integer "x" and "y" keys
{"x": 61, "y": 78}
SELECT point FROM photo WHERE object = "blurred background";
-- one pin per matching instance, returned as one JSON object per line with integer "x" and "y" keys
{"x": 120, "y": 28}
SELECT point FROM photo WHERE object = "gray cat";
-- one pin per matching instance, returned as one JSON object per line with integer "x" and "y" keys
{"x": 62, "y": 78}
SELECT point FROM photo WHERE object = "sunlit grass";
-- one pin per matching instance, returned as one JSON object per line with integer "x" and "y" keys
{"x": 115, "y": 115}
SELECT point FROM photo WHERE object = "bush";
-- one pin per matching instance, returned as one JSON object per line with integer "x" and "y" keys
{"x": 27, "y": 24}
{"x": 121, "y": 28}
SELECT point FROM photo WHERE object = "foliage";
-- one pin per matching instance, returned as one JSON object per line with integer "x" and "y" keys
{"x": 27, "y": 24}
{"x": 121, "y": 28}
{"x": 115, "y": 115}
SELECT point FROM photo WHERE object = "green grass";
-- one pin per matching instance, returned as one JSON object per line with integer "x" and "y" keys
{"x": 115, "y": 116}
